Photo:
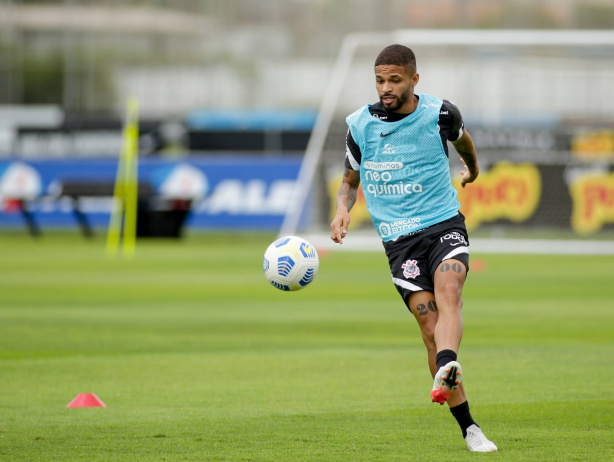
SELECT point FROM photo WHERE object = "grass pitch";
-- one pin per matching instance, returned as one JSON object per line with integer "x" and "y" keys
{"x": 198, "y": 358}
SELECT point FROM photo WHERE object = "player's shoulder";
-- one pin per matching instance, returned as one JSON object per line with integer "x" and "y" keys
{"x": 450, "y": 120}
{"x": 357, "y": 113}
{"x": 449, "y": 106}
{"x": 429, "y": 101}
{"x": 449, "y": 110}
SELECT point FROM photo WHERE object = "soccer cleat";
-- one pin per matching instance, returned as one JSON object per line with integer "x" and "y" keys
{"x": 447, "y": 379}
{"x": 477, "y": 441}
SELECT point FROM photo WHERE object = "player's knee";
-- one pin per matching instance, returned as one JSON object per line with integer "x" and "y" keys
{"x": 452, "y": 291}
{"x": 428, "y": 336}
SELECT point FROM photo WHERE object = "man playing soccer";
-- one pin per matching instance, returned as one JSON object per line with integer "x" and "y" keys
{"x": 398, "y": 149}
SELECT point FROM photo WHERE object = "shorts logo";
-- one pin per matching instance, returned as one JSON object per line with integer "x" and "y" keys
{"x": 454, "y": 236}
{"x": 410, "y": 269}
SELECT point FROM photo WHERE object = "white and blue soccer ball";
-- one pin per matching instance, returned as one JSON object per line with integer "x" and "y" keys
{"x": 290, "y": 263}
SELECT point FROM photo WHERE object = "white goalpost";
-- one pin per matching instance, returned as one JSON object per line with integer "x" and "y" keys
{"x": 531, "y": 76}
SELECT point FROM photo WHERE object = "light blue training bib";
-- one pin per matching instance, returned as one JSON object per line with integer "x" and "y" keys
{"x": 404, "y": 170}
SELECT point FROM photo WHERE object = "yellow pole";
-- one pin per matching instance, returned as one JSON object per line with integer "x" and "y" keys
{"x": 131, "y": 178}
{"x": 117, "y": 212}
{"x": 125, "y": 193}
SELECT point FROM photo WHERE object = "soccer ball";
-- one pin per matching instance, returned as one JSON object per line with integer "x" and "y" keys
{"x": 290, "y": 263}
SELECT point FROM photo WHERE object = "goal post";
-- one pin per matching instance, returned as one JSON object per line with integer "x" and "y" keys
{"x": 519, "y": 79}
{"x": 315, "y": 146}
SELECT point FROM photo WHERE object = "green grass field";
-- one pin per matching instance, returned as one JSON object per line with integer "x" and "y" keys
{"x": 198, "y": 358}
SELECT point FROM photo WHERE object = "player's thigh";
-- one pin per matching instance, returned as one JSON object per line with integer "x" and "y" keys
{"x": 449, "y": 260}
{"x": 449, "y": 279}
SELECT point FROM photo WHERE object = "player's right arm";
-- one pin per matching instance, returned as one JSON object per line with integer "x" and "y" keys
{"x": 346, "y": 198}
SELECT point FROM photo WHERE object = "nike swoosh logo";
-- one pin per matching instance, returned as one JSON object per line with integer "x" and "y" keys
{"x": 383, "y": 135}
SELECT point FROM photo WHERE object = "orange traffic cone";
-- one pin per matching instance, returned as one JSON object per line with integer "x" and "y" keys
{"x": 86, "y": 400}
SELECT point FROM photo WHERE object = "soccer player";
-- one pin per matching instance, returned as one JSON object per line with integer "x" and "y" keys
{"x": 398, "y": 149}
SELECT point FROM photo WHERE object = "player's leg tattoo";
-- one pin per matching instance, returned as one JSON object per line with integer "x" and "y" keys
{"x": 421, "y": 309}
{"x": 456, "y": 267}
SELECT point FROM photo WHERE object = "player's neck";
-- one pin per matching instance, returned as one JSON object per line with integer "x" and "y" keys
{"x": 410, "y": 105}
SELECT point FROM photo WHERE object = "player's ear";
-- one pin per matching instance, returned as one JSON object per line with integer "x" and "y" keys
{"x": 414, "y": 79}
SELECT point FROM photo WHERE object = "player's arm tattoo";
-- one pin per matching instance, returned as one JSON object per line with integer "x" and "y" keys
{"x": 469, "y": 158}
{"x": 466, "y": 150}
{"x": 348, "y": 191}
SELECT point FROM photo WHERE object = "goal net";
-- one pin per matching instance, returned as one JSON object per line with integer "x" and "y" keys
{"x": 538, "y": 104}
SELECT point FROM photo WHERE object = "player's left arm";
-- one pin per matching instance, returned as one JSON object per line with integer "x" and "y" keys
{"x": 453, "y": 129}
{"x": 466, "y": 150}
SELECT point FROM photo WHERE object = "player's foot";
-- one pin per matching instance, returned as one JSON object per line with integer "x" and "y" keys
{"x": 447, "y": 379}
{"x": 477, "y": 441}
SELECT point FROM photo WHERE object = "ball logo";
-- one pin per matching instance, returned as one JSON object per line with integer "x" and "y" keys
{"x": 281, "y": 242}
{"x": 308, "y": 277}
{"x": 410, "y": 269}
{"x": 285, "y": 265}
{"x": 307, "y": 250}
{"x": 265, "y": 264}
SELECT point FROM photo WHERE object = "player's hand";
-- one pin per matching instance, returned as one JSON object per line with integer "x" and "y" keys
{"x": 467, "y": 176}
{"x": 339, "y": 226}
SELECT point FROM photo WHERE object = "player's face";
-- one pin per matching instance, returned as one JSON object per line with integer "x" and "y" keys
{"x": 395, "y": 86}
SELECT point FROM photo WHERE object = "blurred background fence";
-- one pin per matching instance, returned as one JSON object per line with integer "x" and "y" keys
{"x": 230, "y": 91}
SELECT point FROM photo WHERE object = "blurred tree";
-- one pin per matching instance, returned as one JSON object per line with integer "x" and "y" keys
{"x": 594, "y": 15}
{"x": 43, "y": 78}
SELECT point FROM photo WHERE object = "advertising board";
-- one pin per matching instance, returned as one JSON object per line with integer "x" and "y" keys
{"x": 226, "y": 192}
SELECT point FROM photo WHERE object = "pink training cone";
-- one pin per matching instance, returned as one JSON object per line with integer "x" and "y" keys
{"x": 86, "y": 400}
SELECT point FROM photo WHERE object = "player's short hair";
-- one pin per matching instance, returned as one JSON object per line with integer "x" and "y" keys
{"x": 397, "y": 55}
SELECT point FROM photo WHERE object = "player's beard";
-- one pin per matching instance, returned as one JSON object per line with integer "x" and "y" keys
{"x": 398, "y": 102}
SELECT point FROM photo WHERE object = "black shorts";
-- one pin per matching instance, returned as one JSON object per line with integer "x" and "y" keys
{"x": 414, "y": 258}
